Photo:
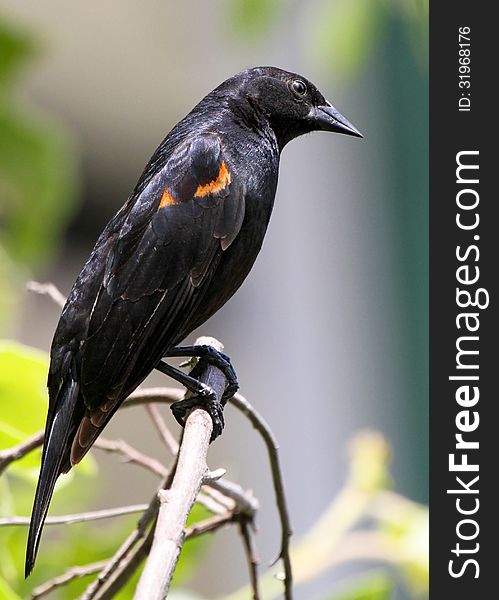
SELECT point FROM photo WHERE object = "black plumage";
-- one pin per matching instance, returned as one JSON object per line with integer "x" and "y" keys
{"x": 172, "y": 256}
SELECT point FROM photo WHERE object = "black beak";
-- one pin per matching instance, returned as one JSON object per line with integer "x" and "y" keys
{"x": 327, "y": 118}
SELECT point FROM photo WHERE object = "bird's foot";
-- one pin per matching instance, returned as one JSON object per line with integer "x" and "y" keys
{"x": 206, "y": 399}
{"x": 214, "y": 357}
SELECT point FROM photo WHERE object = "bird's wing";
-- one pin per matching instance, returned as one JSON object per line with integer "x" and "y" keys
{"x": 133, "y": 295}
{"x": 166, "y": 250}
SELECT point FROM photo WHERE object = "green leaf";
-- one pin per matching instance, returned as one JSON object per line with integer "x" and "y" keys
{"x": 23, "y": 405}
{"x": 23, "y": 394}
{"x": 373, "y": 586}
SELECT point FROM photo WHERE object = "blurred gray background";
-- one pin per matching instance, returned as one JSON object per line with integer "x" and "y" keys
{"x": 328, "y": 334}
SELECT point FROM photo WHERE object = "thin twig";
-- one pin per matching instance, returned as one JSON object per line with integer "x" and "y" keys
{"x": 169, "y": 395}
{"x": 165, "y": 395}
{"x": 48, "y": 289}
{"x": 262, "y": 427}
{"x": 131, "y": 454}
{"x": 219, "y": 498}
{"x": 154, "y": 395}
{"x": 140, "y": 396}
{"x": 251, "y": 556}
{"x": 209, "y": 525}
{"x": 164, "y": 433}
{"x": 244, "y": 500}
{"x": 124, "y": 571}
{"x": 17, "y": 452}
{"x": 214, "y": 504}
{"x": 94, "y": 515}
{"x": 123, "y": 557}
{"x": 65, "y": 578}
{"x": 206, "y": 526}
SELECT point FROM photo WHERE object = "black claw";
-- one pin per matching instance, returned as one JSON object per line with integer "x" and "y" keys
{"x": 216, "y": 411}
{"x": 230, "y": 391}
{"x": 208, "y": 401}
{"x": 203, "y": 395}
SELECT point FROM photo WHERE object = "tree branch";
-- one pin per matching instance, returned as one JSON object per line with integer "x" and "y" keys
{"x": 169, "y": 395}
{"x": 164, "y": 433}
{"x": 262, "y": 427}
{"x": 187, "y": 482}
{"x": 47, "y": 289}
{"x": 131, "y": 454}
{"x": 121, "y": 566}
{"x": 9, "y": 455}
{"x": 65, "y": 578}
{"x": 94, "y": 515}
{"x": 251, "y": 557}
{"x": 176, "y": 503}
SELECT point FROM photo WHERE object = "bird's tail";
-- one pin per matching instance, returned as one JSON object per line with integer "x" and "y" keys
{"x": 57, "y": 432}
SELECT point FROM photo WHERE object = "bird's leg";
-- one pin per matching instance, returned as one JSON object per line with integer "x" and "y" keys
{"x": 213, "y": 357}
{"x": 203, "y": 395}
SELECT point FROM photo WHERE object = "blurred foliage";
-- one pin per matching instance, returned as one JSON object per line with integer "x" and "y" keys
{"x": 346, "y": 32}
{"x": 365, "y": 522}
{"x": 341, "y": 34}
{"x": 373, "y": 586}
{"x": 253, "y": 18}
{"x": 37, "y": 172}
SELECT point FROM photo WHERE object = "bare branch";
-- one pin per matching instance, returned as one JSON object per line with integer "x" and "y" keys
{"x": 154, "y": 395}
{"x": 124, "y": 570}
{"x": 131, "y": 454}
{"x": 164, "y": 433}
{"x": 17, "y": 452}
{"x": 123, "y": 564}
{"x": 65, "y": 578}
{"x": 244, "y": 500}
{"x": 251, "y": 556}
{"x": 209, "y": 525}
{"x": 262, "y": 427}
{"x": 214, "y": 504}
{"x": 94, "y": 515}
{"x": 47, "y": 289}
{"x": 138, "y": 397}
{"x": 177, "y": 502}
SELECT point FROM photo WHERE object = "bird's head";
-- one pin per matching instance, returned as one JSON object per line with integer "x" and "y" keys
{"x": 289, "y": 102}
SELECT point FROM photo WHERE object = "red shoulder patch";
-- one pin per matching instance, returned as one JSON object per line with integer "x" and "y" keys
{"x": 167, "y": 199}
{"x": 222, "y": 180}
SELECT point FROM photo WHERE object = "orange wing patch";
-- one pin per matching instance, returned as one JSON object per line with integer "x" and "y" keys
{"x": 222, "y": 181}
{"x": 167, "y": 199}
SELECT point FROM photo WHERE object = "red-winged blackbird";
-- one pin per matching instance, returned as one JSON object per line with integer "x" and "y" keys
{"x": 171, "y": 257}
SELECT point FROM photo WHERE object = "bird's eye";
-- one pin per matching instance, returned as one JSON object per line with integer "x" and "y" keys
{"x": 298, "y": 87}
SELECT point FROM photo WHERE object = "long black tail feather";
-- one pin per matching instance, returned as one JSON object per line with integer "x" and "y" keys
{"x": 59, "y": 426}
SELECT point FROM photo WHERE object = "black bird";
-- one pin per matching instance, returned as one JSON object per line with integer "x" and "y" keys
{"x": 169, "y": 259}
